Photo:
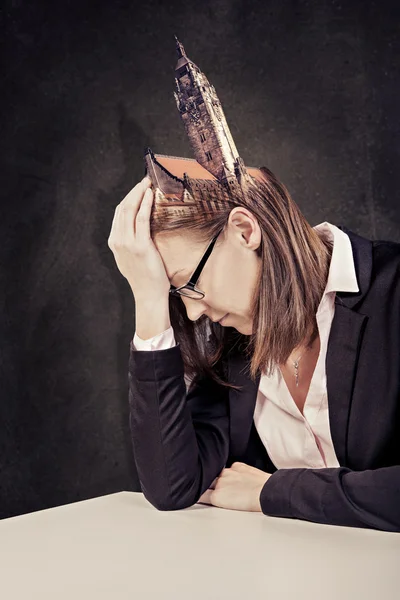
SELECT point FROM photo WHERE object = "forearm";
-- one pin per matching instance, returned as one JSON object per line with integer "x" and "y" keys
{"x": 178, "y": 452}
{"x": 336, "y": 496}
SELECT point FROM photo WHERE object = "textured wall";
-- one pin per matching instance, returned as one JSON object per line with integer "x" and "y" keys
{"x": 309, "y": 89}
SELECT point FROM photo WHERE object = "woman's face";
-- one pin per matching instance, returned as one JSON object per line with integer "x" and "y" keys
{"x": 229, "y": 276}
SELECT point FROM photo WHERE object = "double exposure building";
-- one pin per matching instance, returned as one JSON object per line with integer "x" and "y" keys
{"x": 182, "y": 184}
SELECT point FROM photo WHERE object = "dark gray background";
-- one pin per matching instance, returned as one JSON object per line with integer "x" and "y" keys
{"x": 309, "y": 89}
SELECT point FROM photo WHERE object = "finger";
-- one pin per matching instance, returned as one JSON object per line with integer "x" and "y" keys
{"x": 142, "y": 221}
{"x": 212, "y": 486}
{"x": 238, "y": 466}
{"x": 135, "y": 195}
{"x": 125, "y": 228}
{"x": 246, "y": 467}
{"x": 132, "y": 198}
{"x": 206, "y": 497}
{"x": 111, "y": 237}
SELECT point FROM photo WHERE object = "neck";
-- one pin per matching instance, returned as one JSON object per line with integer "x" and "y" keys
{"x": 309, "y": 340}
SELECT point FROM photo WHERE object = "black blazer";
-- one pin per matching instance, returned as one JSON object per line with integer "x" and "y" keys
{"x": 183, "y": 439}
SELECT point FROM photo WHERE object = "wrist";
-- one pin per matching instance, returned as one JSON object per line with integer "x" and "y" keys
{"x": 151, "y": 317}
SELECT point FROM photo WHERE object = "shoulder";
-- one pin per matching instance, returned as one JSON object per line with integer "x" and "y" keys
{"x": 383, "y": 293}
{"x": 386, "y": 250}
{"x": 374, "y": 259}
{"x": 377, "y": 265}
{"x": 385, "y": 259}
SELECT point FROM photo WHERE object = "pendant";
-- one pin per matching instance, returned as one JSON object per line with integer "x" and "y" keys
{"x": 296, "y": 368}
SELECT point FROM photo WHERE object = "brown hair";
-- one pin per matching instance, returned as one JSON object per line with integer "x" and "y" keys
{"x": 295, "y": 262}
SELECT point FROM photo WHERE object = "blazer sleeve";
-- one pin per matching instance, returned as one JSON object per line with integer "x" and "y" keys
{"x": 336, "y": 496}
{"x": 180, "y": 437}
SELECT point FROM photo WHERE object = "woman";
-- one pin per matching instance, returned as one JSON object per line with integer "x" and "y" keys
{"x": 293, "y": 409}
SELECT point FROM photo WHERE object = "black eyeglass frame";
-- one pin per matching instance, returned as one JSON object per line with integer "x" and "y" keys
{"x": 191, "y": 284}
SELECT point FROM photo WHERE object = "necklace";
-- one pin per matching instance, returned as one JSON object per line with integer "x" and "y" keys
{"x": 296, "y": 363}
{"x": 296, "y": 367}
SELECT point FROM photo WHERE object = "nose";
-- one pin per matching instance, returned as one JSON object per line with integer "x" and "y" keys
{"x": 194, "y": 308}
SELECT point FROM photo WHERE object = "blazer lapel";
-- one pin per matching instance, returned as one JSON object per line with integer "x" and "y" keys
{"x": 341, "y": 362}
{"x": 341, "y": 366}
{"x": 344, "y": 346}
{"x": 241, "y": 403}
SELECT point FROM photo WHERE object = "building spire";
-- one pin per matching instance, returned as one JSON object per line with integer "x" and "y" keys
{"x": 179, "y": 48}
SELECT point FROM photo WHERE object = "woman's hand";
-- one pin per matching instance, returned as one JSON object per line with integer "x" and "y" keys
{"x": 237, "y": 488}
{"x": 136, "y": 255}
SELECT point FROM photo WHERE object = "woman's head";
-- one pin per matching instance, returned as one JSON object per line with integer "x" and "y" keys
{"x": 267, "y": 270}
{"x": 230, "y": 275}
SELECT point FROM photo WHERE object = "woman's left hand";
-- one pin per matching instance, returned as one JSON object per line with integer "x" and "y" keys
{"x": 237, "y": 488}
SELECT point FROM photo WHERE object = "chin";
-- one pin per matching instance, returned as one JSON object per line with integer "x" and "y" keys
{"x": 243, "y": 330}
{"x": 246, "y": 329}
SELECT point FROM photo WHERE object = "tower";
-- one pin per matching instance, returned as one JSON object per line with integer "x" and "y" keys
{"x": 185, "y": 185}
{"x": 205, "y": 122}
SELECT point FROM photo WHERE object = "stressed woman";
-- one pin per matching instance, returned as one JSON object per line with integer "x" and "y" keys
{"x": 264, "y": 373}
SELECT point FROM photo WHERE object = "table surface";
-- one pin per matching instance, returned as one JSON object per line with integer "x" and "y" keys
{"x": 120, "y": 547}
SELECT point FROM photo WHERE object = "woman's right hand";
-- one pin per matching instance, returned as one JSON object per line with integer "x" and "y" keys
{"x": 134, "y": 251}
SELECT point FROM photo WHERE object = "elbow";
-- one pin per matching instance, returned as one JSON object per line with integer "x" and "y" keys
{"x": 172, "y": 505}
{"x": 167, "y": 502}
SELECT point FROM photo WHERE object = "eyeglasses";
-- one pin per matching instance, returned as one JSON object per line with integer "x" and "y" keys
{"x": 189, "y": 289}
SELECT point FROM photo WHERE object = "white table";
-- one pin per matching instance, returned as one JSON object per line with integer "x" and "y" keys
{"x": 120, "y": 547}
